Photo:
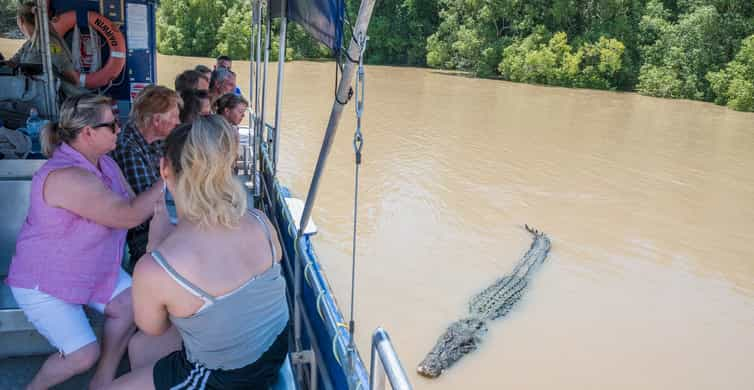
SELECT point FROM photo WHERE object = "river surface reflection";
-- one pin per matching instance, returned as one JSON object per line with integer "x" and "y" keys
{"x": 649, "y": 204}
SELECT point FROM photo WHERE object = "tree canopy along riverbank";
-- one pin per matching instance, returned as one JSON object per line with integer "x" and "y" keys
{"x": 690, "y": 49}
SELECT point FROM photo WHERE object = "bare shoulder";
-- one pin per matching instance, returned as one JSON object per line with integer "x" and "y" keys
{"x": 69, "y": 174}
{"x": 149, "y": 278}
{"x": 146, "y": 269}
{"x": 71, "y": 179}
{"x": 178, "y": 250}
{"x": 62, "y": 183}
{"x": 268, "y": 226}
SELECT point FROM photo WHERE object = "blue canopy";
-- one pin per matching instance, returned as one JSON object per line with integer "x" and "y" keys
{"x": 322, "y": 19}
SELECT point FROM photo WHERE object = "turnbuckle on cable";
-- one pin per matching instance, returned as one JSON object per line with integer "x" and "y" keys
{"x": 358, "y": 144}
{"x": 358, "y": 138}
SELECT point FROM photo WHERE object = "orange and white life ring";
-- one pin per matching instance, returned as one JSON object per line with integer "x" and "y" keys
{"x": 114, "y": 65}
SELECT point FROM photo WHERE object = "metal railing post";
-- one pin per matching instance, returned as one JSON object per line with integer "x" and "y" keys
{"x": 279, "y": 91}
{"x": 43, "y": 28}
{"x": 263, "y": 97}
{"x": 384, "y": 361}
{"x": 265, "y": 65}
{"x": 258, "y": 53}
{"x": 257, "y": 127}
{"x": 249, "y": 111}
{"x": 254, "y": 16}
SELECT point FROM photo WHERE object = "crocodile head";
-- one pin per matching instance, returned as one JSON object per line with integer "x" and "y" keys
{"x": 461, "y": 338}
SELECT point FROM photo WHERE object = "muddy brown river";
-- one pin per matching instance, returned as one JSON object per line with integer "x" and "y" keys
{"x": 649, "y": 204}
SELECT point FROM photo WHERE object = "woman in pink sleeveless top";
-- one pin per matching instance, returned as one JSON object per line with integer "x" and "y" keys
{"x": 70, "y": 248}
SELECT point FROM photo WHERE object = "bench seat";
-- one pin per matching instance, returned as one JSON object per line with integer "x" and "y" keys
{"x": 17, "y": 336}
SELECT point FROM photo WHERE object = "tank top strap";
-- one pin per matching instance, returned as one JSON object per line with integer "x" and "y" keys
{"x": 267, "y": 232}
{"x": 183, "y": 282}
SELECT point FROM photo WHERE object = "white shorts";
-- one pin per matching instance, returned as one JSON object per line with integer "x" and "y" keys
{"x": 63, "y": 324}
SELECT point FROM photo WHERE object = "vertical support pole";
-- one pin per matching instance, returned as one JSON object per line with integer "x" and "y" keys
{"x": 250, "y": 109}
{"x": 43, "y": 28}
{"x": 258, "y": 52}
{"x": 262, "y": 115}
{"x": 279, "y": 91}
{"x": 257, "y": 157}
{"x": 278, "y": 109}
{"x": 254, "y": 18}
{"x": 262, "y": 98}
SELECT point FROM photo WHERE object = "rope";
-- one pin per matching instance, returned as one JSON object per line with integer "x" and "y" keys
{"x": 335, "y": 343}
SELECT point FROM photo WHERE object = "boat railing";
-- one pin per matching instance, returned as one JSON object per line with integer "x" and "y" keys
{"x": 386, "y": 364}
{"x": 323, "y": 342}
{"x": 322, "y": 322}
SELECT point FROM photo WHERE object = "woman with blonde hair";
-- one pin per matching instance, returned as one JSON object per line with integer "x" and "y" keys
{"x": 70, "y": 248}
{"x": 214, "y": 277}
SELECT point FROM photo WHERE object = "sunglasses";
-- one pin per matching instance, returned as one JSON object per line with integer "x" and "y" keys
{"x": 113, "y": 126}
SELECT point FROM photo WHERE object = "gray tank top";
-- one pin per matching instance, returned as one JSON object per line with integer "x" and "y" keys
{"x": 233, "y": 330}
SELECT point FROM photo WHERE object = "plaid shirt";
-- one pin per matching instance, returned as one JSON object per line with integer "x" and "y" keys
{"x": 139, "y": 160}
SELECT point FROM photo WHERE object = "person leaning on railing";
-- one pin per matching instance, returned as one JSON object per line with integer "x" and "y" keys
{"x": 140, "y": 146}
{"x": 215, "y": 276}
{"x": 70, "y": 247}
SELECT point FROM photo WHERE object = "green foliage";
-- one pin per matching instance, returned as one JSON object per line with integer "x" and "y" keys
{"x": 734, "y": 85}
{"x": 399, "y": 29}
{"x": 668, "y": 48}
{"x": 234, "y": 34}
{"x": 593, "y": 65}
{"x": 678, "y": 55}
{"x": 214, "y": 27}
{"x": 684, "y": 52}
{"x": 301, "y": 45}
{"x": 472, "y": 34}
{"x": 190, "y": 27}
{"x": 659, "y": 81}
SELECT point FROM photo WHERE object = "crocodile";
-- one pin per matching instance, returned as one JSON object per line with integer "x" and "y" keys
{"x": 465, "y": 335}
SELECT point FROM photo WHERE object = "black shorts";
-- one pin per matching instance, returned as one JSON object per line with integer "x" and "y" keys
{"x": 175, "y": 371}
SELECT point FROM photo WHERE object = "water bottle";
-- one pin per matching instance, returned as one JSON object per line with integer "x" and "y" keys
{"x": 33, "y": 127}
